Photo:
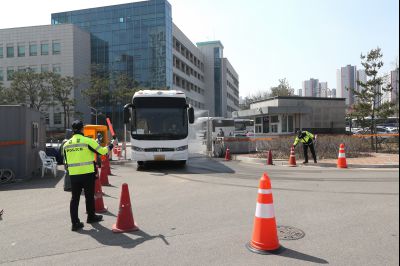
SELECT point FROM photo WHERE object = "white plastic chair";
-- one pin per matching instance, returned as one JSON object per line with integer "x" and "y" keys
{"x": 48, "y": 162}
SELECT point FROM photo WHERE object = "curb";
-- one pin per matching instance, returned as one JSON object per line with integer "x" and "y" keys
{"x": 326, "y": 165}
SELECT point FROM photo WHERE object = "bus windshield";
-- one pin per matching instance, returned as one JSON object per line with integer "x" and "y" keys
{"x": 240, "y": 126}
{"x": 166, "y": 123}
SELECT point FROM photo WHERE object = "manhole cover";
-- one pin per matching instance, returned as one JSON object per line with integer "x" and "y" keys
{"x": 290, "y": 233}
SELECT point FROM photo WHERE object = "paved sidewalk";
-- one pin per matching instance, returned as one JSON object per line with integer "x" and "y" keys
{"x": 377, "y": 160}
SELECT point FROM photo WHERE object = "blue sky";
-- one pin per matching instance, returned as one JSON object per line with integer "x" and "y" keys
{"x": 265, "y": 40}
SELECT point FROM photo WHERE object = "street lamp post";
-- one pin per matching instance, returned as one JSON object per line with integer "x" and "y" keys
{"x": 95, "y": 112}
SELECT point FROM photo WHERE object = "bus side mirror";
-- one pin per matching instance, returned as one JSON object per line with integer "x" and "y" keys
{"x": 127, "y": 113}
{"x": 191, "y": 115}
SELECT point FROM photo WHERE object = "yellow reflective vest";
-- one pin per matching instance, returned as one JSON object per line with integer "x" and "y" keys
{"x": 308, "y": 137}
{"x": 79, "y": 157}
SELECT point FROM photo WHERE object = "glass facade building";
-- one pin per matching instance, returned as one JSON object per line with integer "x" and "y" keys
{"x": 217, "y": 82}
{"x": 134, "y": 39}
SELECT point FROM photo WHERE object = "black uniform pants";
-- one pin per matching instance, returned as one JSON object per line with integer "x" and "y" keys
{"x": 79, "y": 182}
{"x": 305, "y": 148}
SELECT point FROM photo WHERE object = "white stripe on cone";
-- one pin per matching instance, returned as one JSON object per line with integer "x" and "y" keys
{"x": 264, "y": 191}
{"x": 265, "y": 210}
{"x": 342, "y": 155}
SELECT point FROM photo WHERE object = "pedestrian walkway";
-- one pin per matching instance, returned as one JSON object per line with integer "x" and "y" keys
{"x": 375, "y": 159}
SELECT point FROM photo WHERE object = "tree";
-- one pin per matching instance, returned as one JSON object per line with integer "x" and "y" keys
{"x": 32, "y": 88}
{"x": 260, "y": 95}
{"x": 283, "y": 89}
{"x": 123, "y": 89}
{"x": 61, "y": 90}
{"x": 6, "y": 96}
{"x": 369, "y": 97}
{"x": 98, "y": 91}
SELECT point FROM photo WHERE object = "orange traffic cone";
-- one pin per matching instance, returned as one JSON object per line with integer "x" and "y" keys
{"x": 292, "y": 159}
{"x": 227, "y": 155}
{"x": 104, "y": 176}
{"x": 106, "y": 162}
{"x": 125, "y": 222}
{"x": 119, "y": 153}
{"x": 269, "y": 160}
{"x": 342, "y": 163}
{"x": 265, "y": 235}
{"x": 98, "y": 197}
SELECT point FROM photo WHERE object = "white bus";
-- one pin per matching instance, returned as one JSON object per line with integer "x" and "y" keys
{"x": 244, "y": 127}
{"x": 158, "y": 121}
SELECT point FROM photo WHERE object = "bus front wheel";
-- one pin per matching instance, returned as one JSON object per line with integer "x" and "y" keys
{"x": 140, "y": 165}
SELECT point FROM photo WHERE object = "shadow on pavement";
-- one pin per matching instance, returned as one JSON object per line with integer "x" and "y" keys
{"x": 195, "y": 165}
{"x": 106, "y": 237}
{"x": 108, "y": 213}
{"x": 290, "y": 253}
{"x": 48, "y": 181}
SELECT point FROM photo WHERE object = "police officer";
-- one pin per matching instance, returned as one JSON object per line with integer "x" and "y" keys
{"x": 79, "y": 156}
{"x": 307, "y": 139}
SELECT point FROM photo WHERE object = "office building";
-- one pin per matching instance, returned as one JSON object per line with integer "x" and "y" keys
{"x": 300, "y": 92}
{"x": 284, "y": 114}
{"x": 346, "y": 80}
{"x": 323, "y": 90}
{"x": 331, "y": 93}
{"x": 394, "y": 82}
{"x": 63, "y": 49}
{"x": 139, "y": 39}
{"x": 362, "y": 77}
{"x": 311, "y": 88}
{"x": 223, "y": 96}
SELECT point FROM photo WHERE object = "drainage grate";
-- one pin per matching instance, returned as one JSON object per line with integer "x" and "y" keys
{"x": 290, "y": 233}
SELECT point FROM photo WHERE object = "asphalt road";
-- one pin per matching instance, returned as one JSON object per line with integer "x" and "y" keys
{"x": 203, "y": 215}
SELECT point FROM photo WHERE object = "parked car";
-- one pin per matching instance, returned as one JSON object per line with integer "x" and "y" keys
{"x": 53, "y": 149}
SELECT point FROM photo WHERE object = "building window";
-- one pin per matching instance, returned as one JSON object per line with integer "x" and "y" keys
{"x": 21, "y": 69}
{"x": 274, "y": 128}
{"x": 290, "y": 123}
{"x": 274, "y": 119}
{"x": 33, "y": 49}
{"x": 21, "y": 50}
{"x": 10, "y": 51}
{"x": 56, "y": 47}
{"x": 44, "y": 68}
{"x": 32, "y": 69}
{"x": 47, "y": 119}
{"x": 1, "y": 52}
{"x": 44, "y": 48}
{"x": 266, "y": 124}
{"x": 10, "y": 73}
{"x": 284, "y": 124}
{"x": 1, "y": 74}
{"x": 57, "y": 118}
{"x": 57, "y": 68}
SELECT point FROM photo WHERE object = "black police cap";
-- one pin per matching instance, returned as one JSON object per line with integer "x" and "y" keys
{"x": 77, "y": 125}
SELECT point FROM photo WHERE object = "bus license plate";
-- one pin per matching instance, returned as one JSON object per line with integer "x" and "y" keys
{"x": 159, "y": 157}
